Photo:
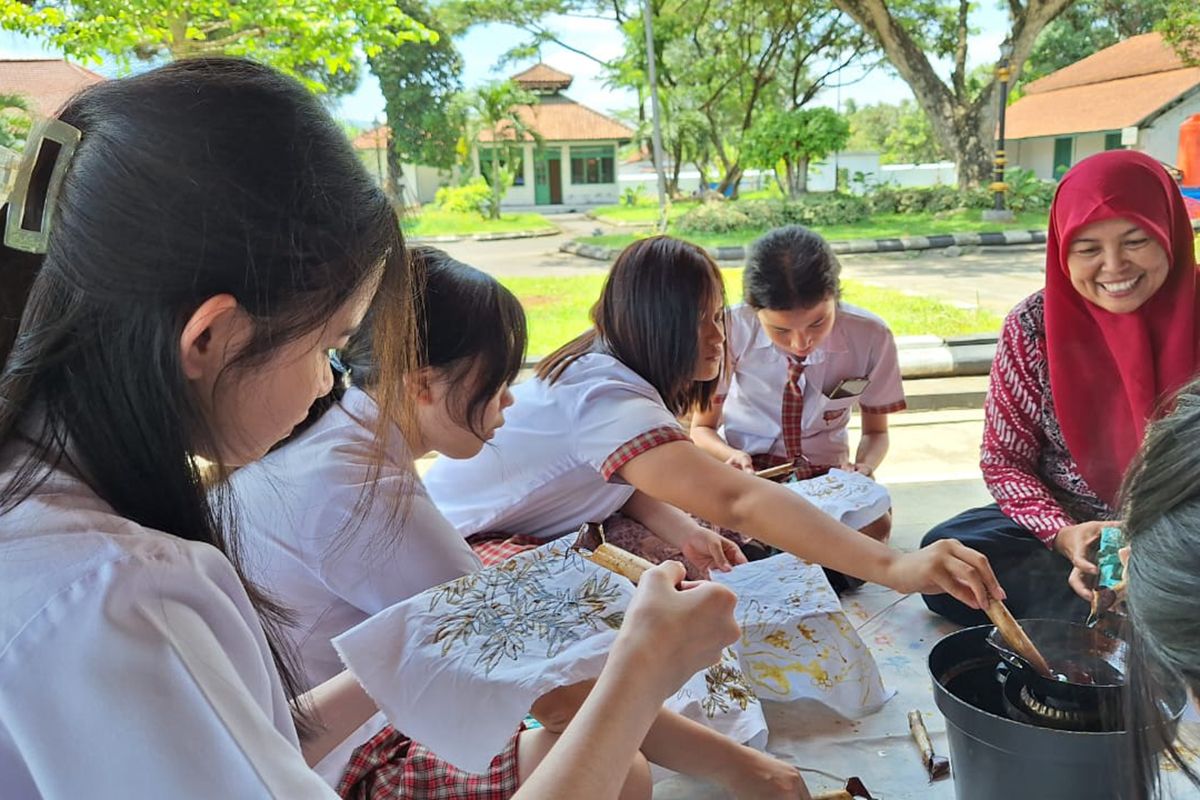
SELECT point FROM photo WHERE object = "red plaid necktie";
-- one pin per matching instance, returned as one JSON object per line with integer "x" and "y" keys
{"x": 792, "y": 416}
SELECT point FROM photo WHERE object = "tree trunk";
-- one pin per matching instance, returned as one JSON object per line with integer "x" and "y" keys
{"x": 395, "y": 173}
{"x": 800, "y": 176}
{"x": 497, "y": 189}
{"x": 784, "y": 183}
{"x": 733, "y": 177}
{"x": 964, "y": 125}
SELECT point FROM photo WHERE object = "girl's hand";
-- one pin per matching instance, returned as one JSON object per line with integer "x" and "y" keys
{"x": 946, "y": 566}
{"x": 862, "y": 469}
{"x": 673, "y": 629}
{"x": 709, "y": 550}
{"x": 742, "y": 461}
{"x": 1074, "y": 543}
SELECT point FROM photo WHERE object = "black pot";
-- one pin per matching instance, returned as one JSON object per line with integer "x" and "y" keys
{"x": 993, "y": 757}
{"x": 1072, "y": 650}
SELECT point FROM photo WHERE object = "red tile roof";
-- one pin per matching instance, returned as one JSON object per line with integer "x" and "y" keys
{"x": 374, "y": 139}
{"x": 543, "y": 76}
{"x": 559, "y": 119}
{"x": 48, "y": 82}
{"x": 1118, "y": 87}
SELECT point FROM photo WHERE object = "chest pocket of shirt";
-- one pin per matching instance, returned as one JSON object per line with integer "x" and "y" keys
{"x": 837, "y": 412}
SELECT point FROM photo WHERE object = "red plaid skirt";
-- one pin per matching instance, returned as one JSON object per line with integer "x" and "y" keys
{"x": 390, "y": 766}
{"x": 492, "y": 548}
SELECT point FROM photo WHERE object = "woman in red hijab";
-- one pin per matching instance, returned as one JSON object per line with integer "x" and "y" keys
{"x": 1080, "y": 369}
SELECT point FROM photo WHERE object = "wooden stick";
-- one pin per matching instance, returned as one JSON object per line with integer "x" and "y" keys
{"x": 1016, "y": 637}
{"x": 937, "y": 766}
{"x": 619, "y": 561}
{"x": 775, "y": 472}
{"x": 837, "y": 794}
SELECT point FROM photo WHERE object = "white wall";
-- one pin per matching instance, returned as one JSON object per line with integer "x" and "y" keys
{"x": 1034, "y": 154}
{"x": 420, "y": 183}
{"x": 1161, "y": 140}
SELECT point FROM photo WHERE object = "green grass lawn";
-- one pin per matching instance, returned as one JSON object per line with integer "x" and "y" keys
{"x": 557, "y": 308}
{"x": 432, "y": 222}
{"x": 645, "y": 212}
{"x": 881, "y": 226}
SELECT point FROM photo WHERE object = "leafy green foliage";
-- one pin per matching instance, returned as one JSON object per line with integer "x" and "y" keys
{"x": 890, "y": 199}
{"x": 793, "y": 139}
{"x": 419, "y": 81}
{"x": 15, "y": 120}
{"x": 495, "y": 107}
{"x": 295, "y": 36}
{"x": 1026, "y": 191}
{"x": 900, "y": 132}
{"x": 811, "y": 210}
{"x": 474, "y": 197}
{"x": 1181, "y": 28}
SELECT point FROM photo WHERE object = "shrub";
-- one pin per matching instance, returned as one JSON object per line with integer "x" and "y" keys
{"x": 474, "y": 197}
{"x": 890, "y": 199}
{"x": 815, "y": 210}
{"x": 1026, "y": 191}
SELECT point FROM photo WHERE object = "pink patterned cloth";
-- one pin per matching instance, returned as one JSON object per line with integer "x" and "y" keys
{"x": 1025, "y": 462}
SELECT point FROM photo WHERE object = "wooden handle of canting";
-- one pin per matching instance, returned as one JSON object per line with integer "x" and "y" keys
{"x": 838, "y": 794}
{"x": 619, "y": 561}
{"x": 1016, "y": 637}
{"x": 775, "y": 472}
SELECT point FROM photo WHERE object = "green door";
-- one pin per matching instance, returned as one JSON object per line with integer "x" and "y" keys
{"x": 547, "y": 176}
{"x": 1064, "y": 148}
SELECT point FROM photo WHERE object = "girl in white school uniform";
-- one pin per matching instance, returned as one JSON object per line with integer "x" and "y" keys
{"x": 597, "y": 432}
{"x": 309, "y": 542}
{"x": 800, "y": 360}
{"x": 181, "y": 250}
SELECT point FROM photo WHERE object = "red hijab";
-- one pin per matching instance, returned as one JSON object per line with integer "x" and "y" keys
{"x": 1109, "y": 372}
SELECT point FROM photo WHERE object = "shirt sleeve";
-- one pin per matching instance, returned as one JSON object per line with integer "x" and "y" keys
{"x": 392, "y": 554}
{"x": 885, "y": 391}
{"x": 1013, "y": 438}
{"x": 616, "y": 421}
{"x": 152, "y": 678}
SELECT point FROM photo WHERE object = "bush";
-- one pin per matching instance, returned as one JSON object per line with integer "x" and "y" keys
{"x": 815, "y": 210}
{"x": 1026, "y": 191}
{"x": 890, "y": 199}
{"x": 474, "y": 197}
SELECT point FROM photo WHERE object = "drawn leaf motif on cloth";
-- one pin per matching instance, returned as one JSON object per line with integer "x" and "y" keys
{"x": 726, "y": 686}
{"x": 517, "y": 604}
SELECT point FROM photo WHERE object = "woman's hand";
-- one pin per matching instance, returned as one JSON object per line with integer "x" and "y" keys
{"x": 673, "y": 629}
{"x": 709, "y": 550}
{"x": 1074, "y": 543}
{"x": 947, "y": 566}
{"x": 742, "y": 460}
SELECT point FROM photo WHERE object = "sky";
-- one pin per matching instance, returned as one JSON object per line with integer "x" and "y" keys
{"x": 482, "y": 47}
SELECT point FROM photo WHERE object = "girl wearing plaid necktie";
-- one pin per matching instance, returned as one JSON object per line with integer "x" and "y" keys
{"x": 800, "y": 360}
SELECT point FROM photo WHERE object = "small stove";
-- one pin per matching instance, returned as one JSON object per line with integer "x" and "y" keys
{"x": 1022, "y": 704}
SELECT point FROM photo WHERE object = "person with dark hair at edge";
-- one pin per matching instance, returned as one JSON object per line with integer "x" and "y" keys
{"x": 597, "y": 432}
{"x": 1081, "y": 367}
{"x": 182, "y": 250}
{"x": 309, "y": 542}
{"x": 800, "y": 360}
{"x": 1161, "y": 507}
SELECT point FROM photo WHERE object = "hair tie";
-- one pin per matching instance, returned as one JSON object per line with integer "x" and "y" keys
{"x": 33, "y": 187}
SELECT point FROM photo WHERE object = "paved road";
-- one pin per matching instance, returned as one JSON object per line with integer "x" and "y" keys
{"x": 994, "y": 278}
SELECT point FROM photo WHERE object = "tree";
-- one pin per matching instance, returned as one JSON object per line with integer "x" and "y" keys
{"x": 495, "y": 107}
{"x": 1181, "y": 27}
{"x": 290, "y": 35}
{"x": 963, "y": 116}
{"x": 15, "y": 120}
{"x": 899, "y": 132}
{"x": 794, "y": 138}
{"x": 1086, "y": 27}
{"x": 419, "y": 82}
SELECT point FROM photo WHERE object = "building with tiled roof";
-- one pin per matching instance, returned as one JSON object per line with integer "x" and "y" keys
{"x": 416, "y": 184}
{"x": 1134, "y": 94}
{"x": 575, "y": 163}
{"x": 47, "y": 83}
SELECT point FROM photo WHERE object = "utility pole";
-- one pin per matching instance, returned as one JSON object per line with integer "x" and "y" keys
{"x": 656, "y": 116}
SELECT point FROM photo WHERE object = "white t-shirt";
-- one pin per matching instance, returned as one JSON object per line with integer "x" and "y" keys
{"x": 132, "y": 663}
{"x": 303, "y": 542}
{"x": 859, "y": 346}
{"x": 552, "y": 466}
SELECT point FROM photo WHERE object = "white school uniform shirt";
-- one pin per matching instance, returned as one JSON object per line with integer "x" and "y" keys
{"x": 859, "y": 346}
{"x": 293, "y": 511}
{"x": 132, "y": 663}
{"x": 552, "y": 466}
